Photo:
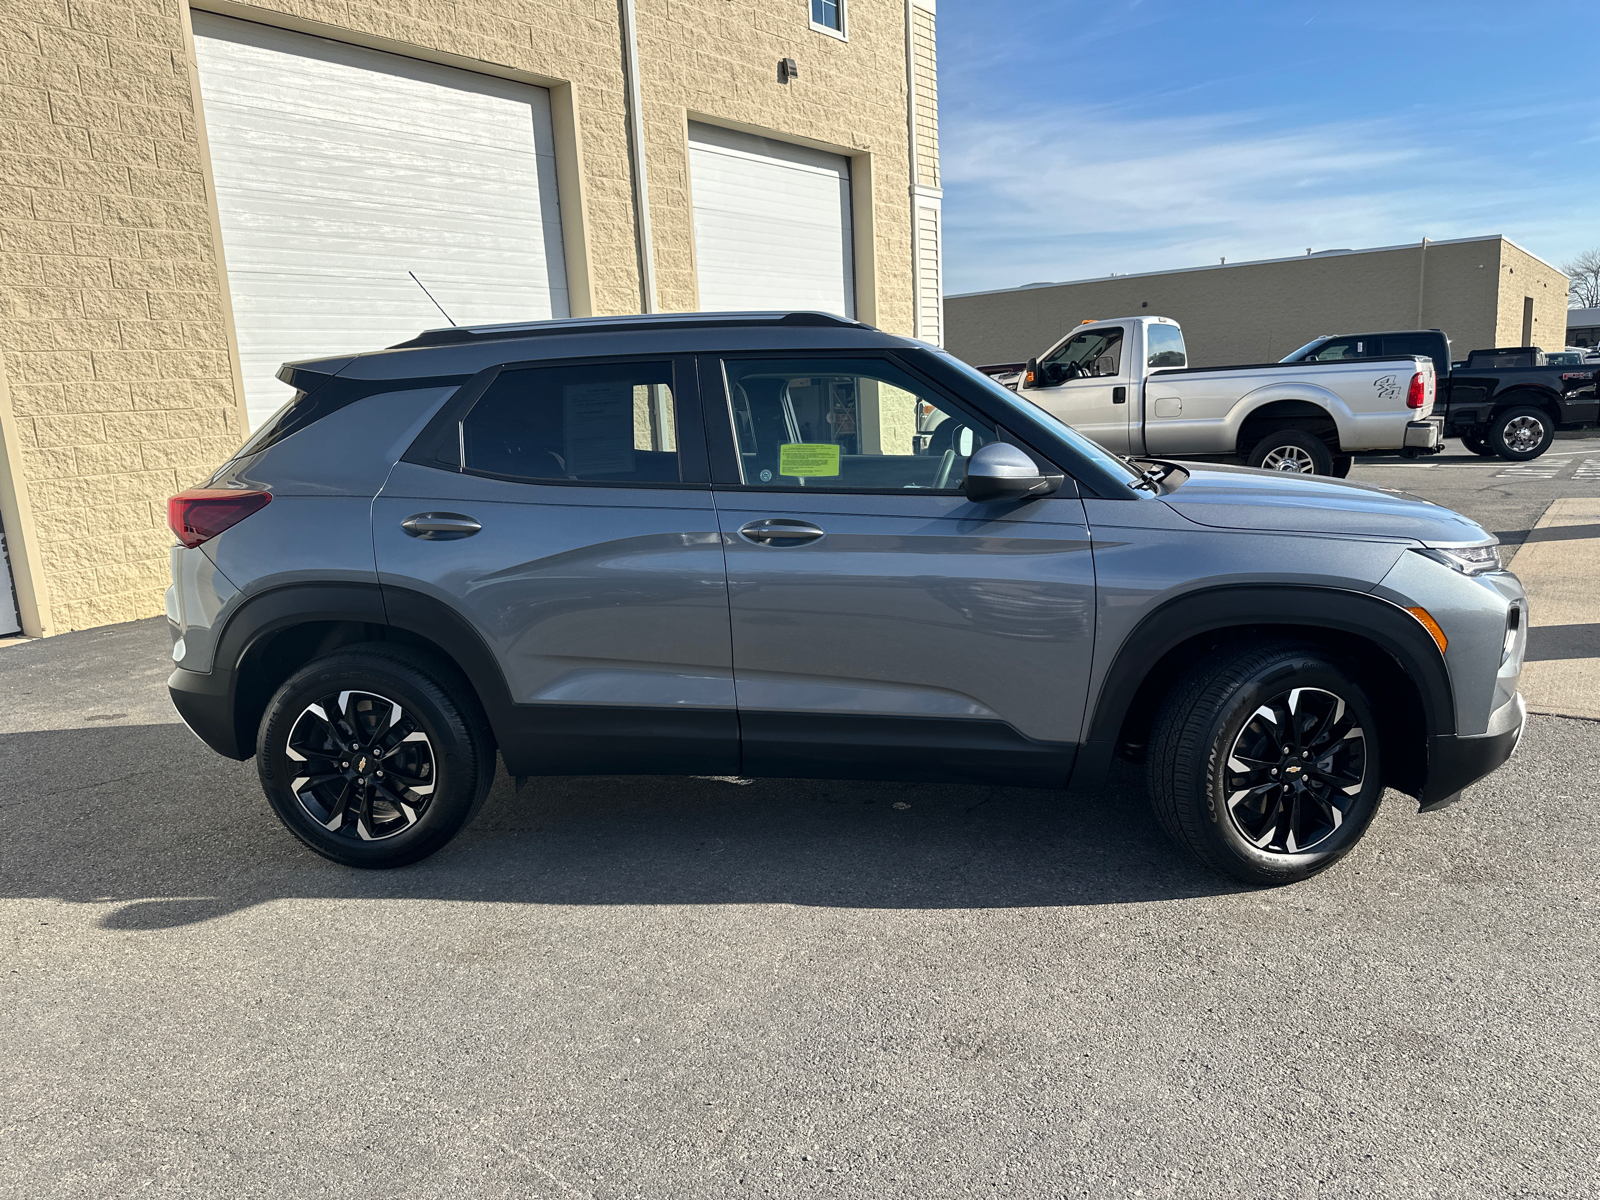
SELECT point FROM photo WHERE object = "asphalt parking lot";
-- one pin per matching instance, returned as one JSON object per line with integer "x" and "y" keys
{"x": 676, "y": 987}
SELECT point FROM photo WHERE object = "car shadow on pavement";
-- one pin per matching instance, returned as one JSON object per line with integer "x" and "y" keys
{"x": 143, "y": 817}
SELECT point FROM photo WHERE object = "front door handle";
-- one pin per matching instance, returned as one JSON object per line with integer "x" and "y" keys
{"x": 440, "y": 526}
{"x": 1119, "y": 395}
{"x": 777, "y": 531}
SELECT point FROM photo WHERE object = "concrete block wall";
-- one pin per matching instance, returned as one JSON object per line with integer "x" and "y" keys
{"x": 118, "y": 385}
{"x": 1260, "y": 311}
{"x": 119, "y": 381}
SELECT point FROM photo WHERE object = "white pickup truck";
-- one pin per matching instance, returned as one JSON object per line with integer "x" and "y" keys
{"x": 1127, "y": 384}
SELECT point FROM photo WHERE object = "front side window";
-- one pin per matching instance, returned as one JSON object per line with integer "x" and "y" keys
{"x": 606, "y": 423}
{"x": 846, "y": 424}
{"x": 1340, "y": 349}
{"x": 1165, "y": 346}
{"x": 829, "y": 14}
{"x": 1095, "y": 353}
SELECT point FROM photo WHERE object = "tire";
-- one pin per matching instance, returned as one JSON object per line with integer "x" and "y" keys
{"x": 416, "y": 771}
{"x": 1234, "y": 821}
{"x": 1520, "y": 434}
{"x": 1477, "y": 445}
{"x": 1292, "y": 450}
{"x": 1341, "y": 466}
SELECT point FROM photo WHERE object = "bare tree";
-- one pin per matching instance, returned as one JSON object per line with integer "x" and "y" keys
{"x": 1585, "y": 273}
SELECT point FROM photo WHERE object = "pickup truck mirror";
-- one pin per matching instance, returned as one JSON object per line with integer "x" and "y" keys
{"x": 1030, "y": 373}
{"x": 1002, "y": 472}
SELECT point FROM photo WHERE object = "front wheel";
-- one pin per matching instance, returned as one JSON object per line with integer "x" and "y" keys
{"x": 1292, "y": 450}
{"x": 370, "y": 758}
{"x": 1520, "y": 434}
{"x": 1264, "y": 763}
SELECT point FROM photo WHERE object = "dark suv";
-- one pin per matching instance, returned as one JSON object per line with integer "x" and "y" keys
{"x": 780, "y": 544}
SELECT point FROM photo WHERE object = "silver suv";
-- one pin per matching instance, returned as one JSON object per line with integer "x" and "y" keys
{"x": 787, "y": 544}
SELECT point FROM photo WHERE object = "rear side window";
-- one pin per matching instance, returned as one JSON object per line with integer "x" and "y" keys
{"x": 606, "y": 423}
{"x": 1165, "y": 346}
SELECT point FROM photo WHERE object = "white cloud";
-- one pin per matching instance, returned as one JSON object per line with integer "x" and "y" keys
{"x": 1076, "y": 194}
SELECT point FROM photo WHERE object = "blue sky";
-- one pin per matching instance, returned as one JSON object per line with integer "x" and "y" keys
{"x": 1081, "y": 139}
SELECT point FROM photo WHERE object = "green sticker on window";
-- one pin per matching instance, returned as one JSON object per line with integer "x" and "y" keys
{"x": 805, "y": 460}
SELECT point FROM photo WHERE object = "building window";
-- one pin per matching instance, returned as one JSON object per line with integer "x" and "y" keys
{"x": 827, "y": 16}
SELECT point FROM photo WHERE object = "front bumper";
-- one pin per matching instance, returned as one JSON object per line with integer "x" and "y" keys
{"x": 1456, "y": 762}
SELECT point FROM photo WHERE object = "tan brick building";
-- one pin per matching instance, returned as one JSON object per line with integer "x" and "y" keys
{"x": 1481, "y": 291}
{"x": 184, "y": 193}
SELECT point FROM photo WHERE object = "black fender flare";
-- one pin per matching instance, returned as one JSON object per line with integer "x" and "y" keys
{"x": 214, "y": 708}
{"x": 1385, "y": 625}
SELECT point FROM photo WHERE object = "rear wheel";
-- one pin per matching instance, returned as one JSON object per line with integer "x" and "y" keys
{"x": 1294, "y": 451}
{"x": 1341, "y": 466}
{"x": 1477, "y": 445}
{"x": 370, "y": 758}
{"x": 1520, "y": 434}
{"x": 1264, "y": 763}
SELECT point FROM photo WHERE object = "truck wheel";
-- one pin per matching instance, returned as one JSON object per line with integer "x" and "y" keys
{"x": 1341, "y": 466}
{"x": 1264, "y": 762}
{"x": 370, "y": 758}
{"x": 1292, "y": 450}
{"x": 1477, "y": 445}
{"x": 1521, "y": 433}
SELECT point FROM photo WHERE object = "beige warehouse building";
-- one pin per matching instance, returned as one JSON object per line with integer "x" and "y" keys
{"x": 192, "y": 195}
{"x": 1481, "y": 292}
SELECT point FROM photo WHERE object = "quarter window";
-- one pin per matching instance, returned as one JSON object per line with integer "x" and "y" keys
{"x": 609, "y": 423}
{"x": 847, "y": 425}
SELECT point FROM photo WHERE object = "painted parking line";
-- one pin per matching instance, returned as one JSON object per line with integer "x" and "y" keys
{"x": 1539, "y": 468}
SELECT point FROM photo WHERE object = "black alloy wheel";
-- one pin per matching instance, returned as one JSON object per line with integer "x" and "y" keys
{"x": 1294, "y": 451}
{"x": 1521, "y": 434}
{"x": 374, "y": 756}
{"x": 366, "y": 766}
{"x": 1264, "y": 762}
{"x": 1295, "y": 768}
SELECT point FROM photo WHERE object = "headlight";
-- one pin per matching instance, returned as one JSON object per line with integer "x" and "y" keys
{"x": 1469, "y": 560}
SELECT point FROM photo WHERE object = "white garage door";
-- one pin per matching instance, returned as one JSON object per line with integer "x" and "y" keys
{"x": 771, "y": 224}
{"x": 339, "y": 170}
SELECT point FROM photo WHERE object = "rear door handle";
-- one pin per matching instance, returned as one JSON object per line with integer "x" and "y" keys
{"x": 440, "y": 526}
{"x": 777, "y": 531}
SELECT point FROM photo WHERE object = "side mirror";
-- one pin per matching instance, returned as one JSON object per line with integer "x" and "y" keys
{"x": 1001, "y": 472}
{"x": 1030, "y": 373}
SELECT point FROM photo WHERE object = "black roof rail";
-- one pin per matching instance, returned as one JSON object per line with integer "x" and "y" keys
{"x": 458, "y": 335}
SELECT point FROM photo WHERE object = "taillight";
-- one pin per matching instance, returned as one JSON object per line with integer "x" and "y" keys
{"x": 199, "y": 514}
{"x": 1416, "y": 394}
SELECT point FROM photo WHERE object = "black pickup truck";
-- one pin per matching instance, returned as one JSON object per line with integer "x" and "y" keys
{"x": 1507, "y": 402}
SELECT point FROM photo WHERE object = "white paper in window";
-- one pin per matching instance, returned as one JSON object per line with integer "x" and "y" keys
{"x": 598, "y": 428}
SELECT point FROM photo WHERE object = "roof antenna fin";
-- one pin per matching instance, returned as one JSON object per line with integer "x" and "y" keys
{"x": 429, "y": 295}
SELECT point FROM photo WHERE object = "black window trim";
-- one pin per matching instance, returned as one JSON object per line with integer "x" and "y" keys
{"x": 439, "y": 444}
{"x": 727, "y": 469}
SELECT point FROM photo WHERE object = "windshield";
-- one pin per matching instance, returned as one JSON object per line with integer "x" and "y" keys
{"x": 1563, "y": 358}
{"x": 1029, "y": 411}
